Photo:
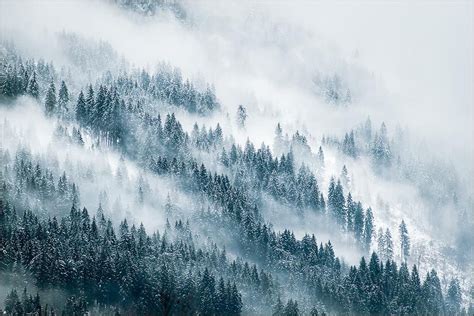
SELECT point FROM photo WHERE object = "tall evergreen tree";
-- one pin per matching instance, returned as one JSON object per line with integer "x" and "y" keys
{"x": 33, "y": 87}
{"x": 368, "y": 229}
{"x": 63, "y": 97}
{"x": 404, "y": 241}
{"x": 359, "y": 223}
{"x": 388, "y": 245}
{"x": 381, "y": 245}
{"x": 350, "y": 212}
{"x": 321, "y": 156}
{"x": 81, "y": 108}
{"x": 50, "y": 101}
{"x": 453, "y": 298}
{"x": 241, "y": 115}
{"x": 90, "y": 102}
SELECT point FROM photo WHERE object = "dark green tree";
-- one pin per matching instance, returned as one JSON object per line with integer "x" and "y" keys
{"x": 50, "y": 101}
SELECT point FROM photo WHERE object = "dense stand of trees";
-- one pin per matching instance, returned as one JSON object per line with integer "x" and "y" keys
{"x": 24, "y": 77}
{"x": 23, "y": 180}
{"x": 401, "y": 158}
{"x": 152, "y": 7}
{"x": 333, "y": 89}
{"x": 150, "y": 274}
{"x": 363, "y": 141}
{"x": 26, "y": 304}
{"x": 142, "y": 89}
{"x": 166, "y": 85}
{"x": 87, "y": 256}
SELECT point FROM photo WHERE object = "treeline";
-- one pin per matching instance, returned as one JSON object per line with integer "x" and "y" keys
{"x": 314, "y": 265}
{"x": 23, "y": 180}
{"x": 156, "y": 275}
{"x": 23, "y": 77}
{"x": 26, "y": 304}
{"x": 148, "y": 274}
{"x": 322, "y": 271}
{"x": 333, "y": 89}
{"x": 141, "y": 88}
{"x": 257, "y": 172}
{"x": 364, "y": 141}
{"x": 166, "y": 85}
{"x": 402, "y": 158}
{"x": 239, "y": 208}
{"x": 152, "y": 7}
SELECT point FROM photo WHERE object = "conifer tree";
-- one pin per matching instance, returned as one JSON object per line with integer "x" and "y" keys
{"x": 50, "y": 101}
{"x": 453, "y": 297}
{"x": 404, "y": 241}
{"x": 368, "y": 228}
{"x": 81, "y": 108}
{"x": 359, "y": 223}
{"x": 381, "y": 245}
{"x": 388, "y": 245}
{"x": 350, "y": 212}
{"x": 241, "y": 116}
{"x": 90, "y": 106}
{"x": 33, "y": 87}
{"x": 279, "y": 308}
{"x": 321, "y": 156}
{"x": 278, "y": 140}
{"x": 63, "y": 97}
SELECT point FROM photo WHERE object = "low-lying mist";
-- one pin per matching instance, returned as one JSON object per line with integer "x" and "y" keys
{"x": 313, "y": 67}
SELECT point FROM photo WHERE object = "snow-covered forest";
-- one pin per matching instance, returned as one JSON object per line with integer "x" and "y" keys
{"x": 176, "y": 157}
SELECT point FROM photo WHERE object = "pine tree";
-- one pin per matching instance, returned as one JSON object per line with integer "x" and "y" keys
{"x": 63, "y": 97}
{"x": 388, "y": 245}
{"x": 207, "y": 293}
{"x": 345, "y": 176}
{"x": 50, "y": 101}
{"x": 404, "y": 241}
{"x": 241, "y": 116}
{"x": 100, "y": 109}
{"x": 367, "y": 129}
{"x": 359, "y": 222}
{"x": 81, "y": 109}
{"x": 350, "y": 211}
{"x": 314, "y": 312}
{"x": 33, "y": 88}
{"x": 278, "y": 145}
{"x": 90, "y": 107}
{"x": 381, "y": 152}
{"x": 336, "y": 202}
{"x": 279, "y": 308}
{"x": 291, "y": 308}
{"x": 432, "y": 294}
{"x": 453, "y": 297}
{"x": 13, "y": 304}
{"x": 348, "y": 145}
{"x": 381, "y": 245}
{"x": 368, "y": 229}
{"x": 321, "y": 156}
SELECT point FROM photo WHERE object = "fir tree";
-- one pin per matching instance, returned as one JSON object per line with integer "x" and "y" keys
{"x": 404, "y": 241}
{"x": 321, "y": 156}
{"x": 63, "y": 97}
{"x": 50, "y": 101}
{"x": 388, "y": 245}
{"x": 241, "y": 116}
{"x": 33, "y": 87}
{"x": 368, "y": 229}
{"x": 453, "y": 298}
{"x": 279, "y": 308}
{"x": 81, "y": 108}
{"x": 359, "y": 223}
